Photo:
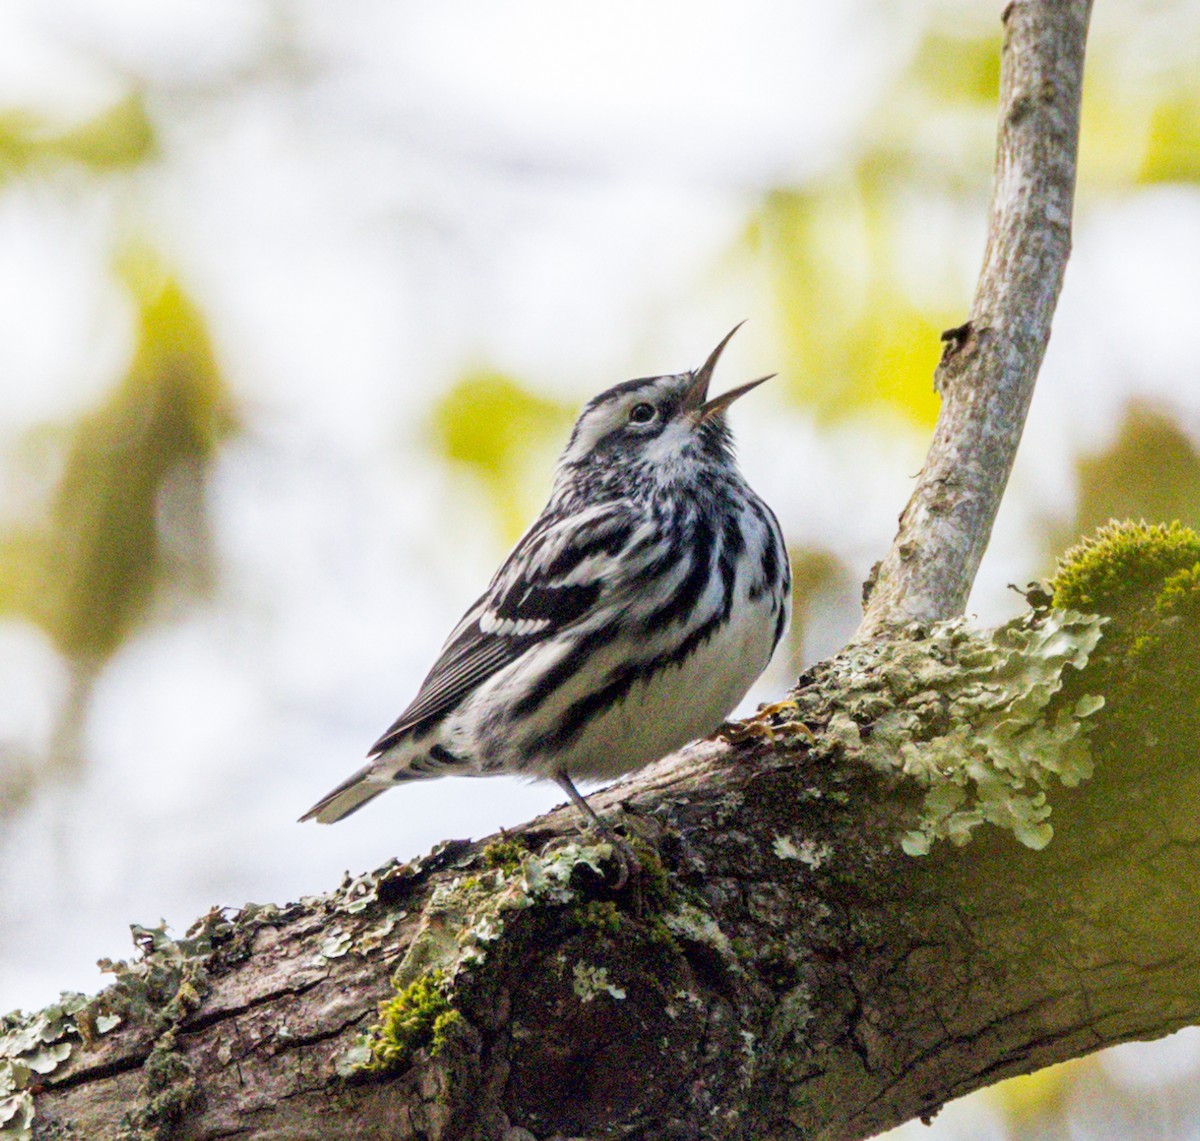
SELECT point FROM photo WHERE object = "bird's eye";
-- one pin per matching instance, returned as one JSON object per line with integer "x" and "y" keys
{"x": 642, "y": 413}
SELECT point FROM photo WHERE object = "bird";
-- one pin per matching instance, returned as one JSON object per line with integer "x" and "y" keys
{"x": 630, "y": 619}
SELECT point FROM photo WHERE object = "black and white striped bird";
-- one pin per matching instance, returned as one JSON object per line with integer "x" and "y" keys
{"x": 630, "y": 619}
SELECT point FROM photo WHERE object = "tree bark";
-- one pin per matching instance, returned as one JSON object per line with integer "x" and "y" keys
{"x": 991, "y": 362}
{"x": 789, "y": 970}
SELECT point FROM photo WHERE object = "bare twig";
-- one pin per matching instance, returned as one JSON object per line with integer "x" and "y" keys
{"x": 990, "y": 363}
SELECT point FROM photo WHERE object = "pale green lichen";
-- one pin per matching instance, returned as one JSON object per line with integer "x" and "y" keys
{"x": 971, "y": 716}
{"x": 373, "y": 937}
{"x": 590, "y": 981}
{"x": 688, "y": 922}
{"x": 333, "y": 946}
{"x": 807, "y": 851}
{"x": 785, "y": 848}
{"x": 158, "y": 989}
{"x": 31, "y": 1047}
{"x": 463, "y": 918}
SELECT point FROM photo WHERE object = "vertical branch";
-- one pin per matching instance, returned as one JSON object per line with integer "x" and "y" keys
{"x": 990, "y": 364}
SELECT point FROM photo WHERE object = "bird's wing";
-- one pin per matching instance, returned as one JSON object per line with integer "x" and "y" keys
{"x": 551, "y": 580}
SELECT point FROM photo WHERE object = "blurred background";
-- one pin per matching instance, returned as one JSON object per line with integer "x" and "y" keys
{"x": 298, "y": 302}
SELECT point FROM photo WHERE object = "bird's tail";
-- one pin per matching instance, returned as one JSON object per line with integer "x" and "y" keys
{"x": 350, "y": 795}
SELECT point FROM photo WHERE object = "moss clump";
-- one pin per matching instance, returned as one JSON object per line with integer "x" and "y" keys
{"x": 597, "y": 915}
{"x": 505, "y": 856}
{"x": 1180, "y": 595}
{"x": 416, "y": 1017}
{"x": 1146, "y": 578}
{"x": 1121, "y": 563}
{"x": 171, "y": 1090}
{"x": 655, "y": 880}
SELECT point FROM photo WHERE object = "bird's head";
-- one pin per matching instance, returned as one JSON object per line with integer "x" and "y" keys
{"x": 656, "y": 424}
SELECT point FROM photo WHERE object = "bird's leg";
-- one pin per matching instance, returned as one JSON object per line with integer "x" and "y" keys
{"x": 627, "y": 861}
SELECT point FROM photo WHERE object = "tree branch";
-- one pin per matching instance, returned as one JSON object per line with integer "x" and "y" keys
{"x": 990, "y": 364}
{"x": 792, "y": 974}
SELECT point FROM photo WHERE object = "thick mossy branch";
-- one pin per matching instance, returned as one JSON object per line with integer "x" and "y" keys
{"x": 1145, "y": 579}
{"x": 971, "y": 716}
{"x": 788, "y": 969}
{"x": 1114, "y": 570}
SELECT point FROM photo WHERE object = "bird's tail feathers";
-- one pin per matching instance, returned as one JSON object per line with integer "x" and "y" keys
{"x": 349, "y": 796}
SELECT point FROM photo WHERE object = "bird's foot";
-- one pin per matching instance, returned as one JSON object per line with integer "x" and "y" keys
{"x": 776, "y": 709}
{"x": 629, "y": 869}
{"x": 629, "y": 873}
{"x": 768, "y": 723}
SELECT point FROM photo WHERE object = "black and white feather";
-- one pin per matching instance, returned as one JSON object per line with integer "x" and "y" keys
{"x": 630, "y": 619}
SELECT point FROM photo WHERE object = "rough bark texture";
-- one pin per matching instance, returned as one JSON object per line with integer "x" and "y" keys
{"x": 991, "y": 362}
{"x": 790, "y": 972}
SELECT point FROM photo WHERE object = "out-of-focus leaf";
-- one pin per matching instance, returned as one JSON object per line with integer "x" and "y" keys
{"x": 824, "y": 602}
{"x": 1113, "y": 134}
{"x": 1173, "y": 140}
{"x": 18, "y": 143}
{"x": 959, "y": 69}
{"x": 120, "y": 136}
{"x": 1036, "y": 1101}
{"x": 492, "y": 425}
{"x": 85, "y": 571}
{"x": 1151, "y": 471}
{"x": 857, "y": 343}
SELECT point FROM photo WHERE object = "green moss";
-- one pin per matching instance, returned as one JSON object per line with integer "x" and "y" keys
{"x": 660, "y": 934}
{"x": 1146, "y": 579}
{"x": 505, "y": 855}
{"x": 171, "y": 1089}
{"x": 656, "y": 882}
{"x": 416, "y": 1017}
{"x": 597, "y": 915}
{"x": 1121, "y": 562}
{"x": 443, "y": 1027}
{"x": 1180, "y": 595}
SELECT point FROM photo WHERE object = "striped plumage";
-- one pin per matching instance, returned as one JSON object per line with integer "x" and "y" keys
{"x": 630, "y": 619}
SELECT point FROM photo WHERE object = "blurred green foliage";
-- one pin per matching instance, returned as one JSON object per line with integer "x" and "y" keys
{"x": 819, "y": 580}
{"x": 853, "y": 340}
{"x": 496, "y": 428}
{"x": 120, "y": 136}
{"x": 1150, "y": 471}
{"x": 959, "y": 69}
{"x": 1172, "y": 151}
{"x": 1038, "y": 1104}
{"x": 85, "y": 569}
{"x": 859, "y": 339}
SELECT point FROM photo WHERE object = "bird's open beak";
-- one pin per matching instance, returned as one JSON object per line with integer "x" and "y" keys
{"x": 696, "y": 404}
